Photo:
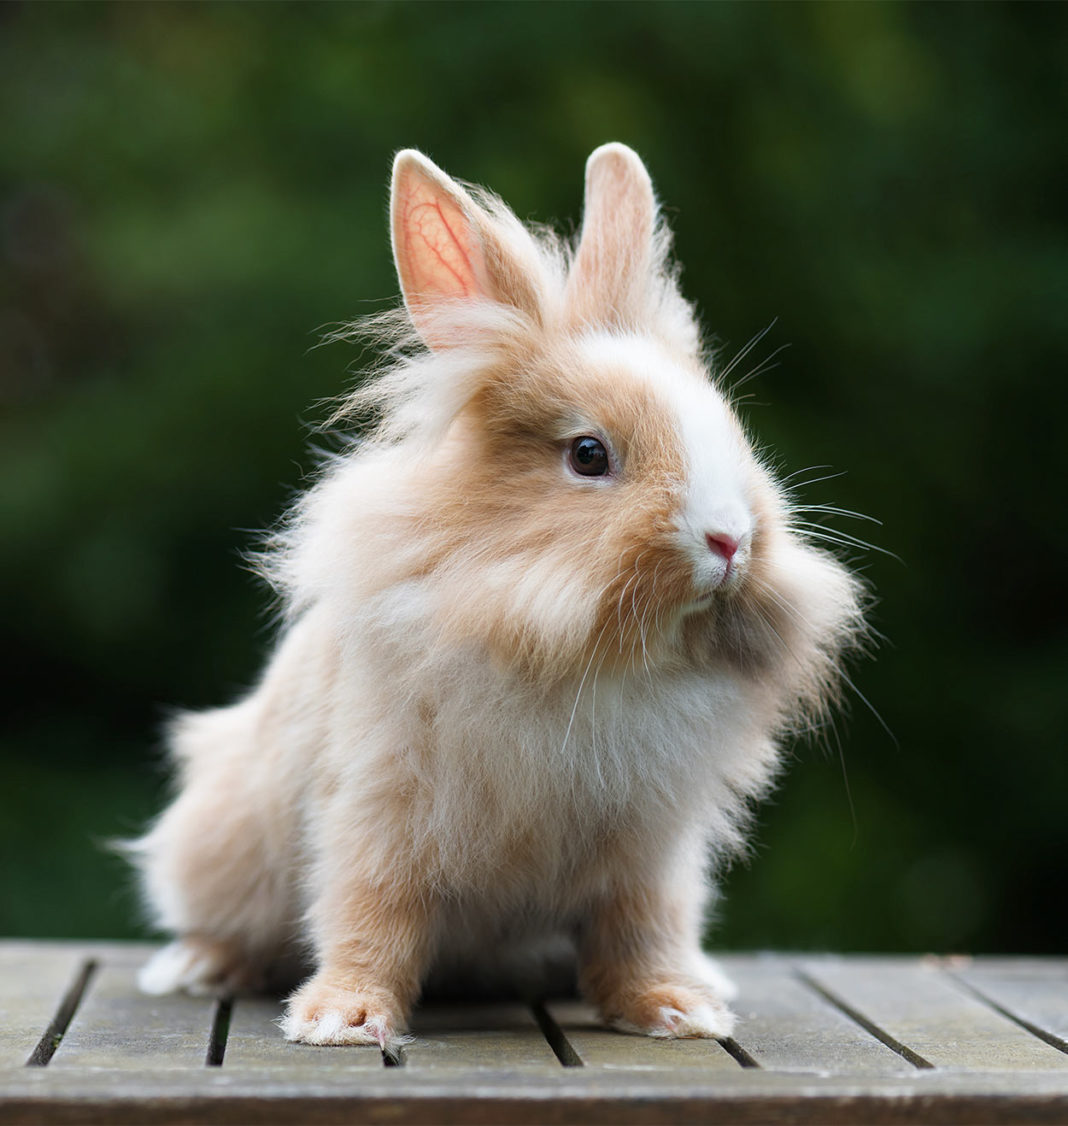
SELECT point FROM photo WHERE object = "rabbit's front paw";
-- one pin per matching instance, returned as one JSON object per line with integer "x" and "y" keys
{"x": 672, "y": 1012}
{"x": 321, "y": 1012}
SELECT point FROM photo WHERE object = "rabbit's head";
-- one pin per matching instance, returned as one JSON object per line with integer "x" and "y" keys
{"x": 581, "y": 493}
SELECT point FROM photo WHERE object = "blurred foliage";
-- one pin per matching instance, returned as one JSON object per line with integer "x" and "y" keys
{"x": 189, "y": 192}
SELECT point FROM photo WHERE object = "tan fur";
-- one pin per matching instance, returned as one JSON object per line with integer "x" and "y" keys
{"x": 512, "y": 706}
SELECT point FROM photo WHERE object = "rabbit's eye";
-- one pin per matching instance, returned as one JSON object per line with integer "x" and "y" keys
{"x": 588, "y": 457}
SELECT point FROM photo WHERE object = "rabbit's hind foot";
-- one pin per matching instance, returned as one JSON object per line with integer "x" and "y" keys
{"x": 201, "y": 966}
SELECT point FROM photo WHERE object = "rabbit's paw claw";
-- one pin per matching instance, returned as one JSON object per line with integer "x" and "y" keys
{"x": 323, "y": 1014}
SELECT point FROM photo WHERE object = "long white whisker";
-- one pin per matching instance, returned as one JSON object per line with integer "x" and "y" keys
{"x": 765, "y": 365}
{"x": 619, "y": 609}
{"x": 871, "y": 708}
{"x": 786, "y": 647}
{"x": 593, "y": 656}
{"x": 655, "y": 600}
{"x": 834, "y": 510}
{"x": 808, "y": 469}
{"x": 743, "y": 352}
{"x": 578, "y": 694}
{"x": 784, "y": 604}
{"x": 844, "y": 539}
{"x": 845, "y": 780}
{"x": 813, "y": 480}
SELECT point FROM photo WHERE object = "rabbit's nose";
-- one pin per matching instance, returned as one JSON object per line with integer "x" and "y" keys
{"x": 722, "y": 545}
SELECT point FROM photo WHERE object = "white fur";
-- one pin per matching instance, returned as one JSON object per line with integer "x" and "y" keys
{"x": 175, "y": 967}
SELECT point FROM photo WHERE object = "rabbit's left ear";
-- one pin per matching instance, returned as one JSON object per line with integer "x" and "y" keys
{"x": 616, "y": 252}
{"x": 448, "y": 248}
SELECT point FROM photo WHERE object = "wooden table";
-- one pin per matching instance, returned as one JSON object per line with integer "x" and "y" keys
{"x": 820, "y": 1039}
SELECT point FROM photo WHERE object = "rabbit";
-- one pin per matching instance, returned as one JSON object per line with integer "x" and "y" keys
{"x": 545, "y": 627}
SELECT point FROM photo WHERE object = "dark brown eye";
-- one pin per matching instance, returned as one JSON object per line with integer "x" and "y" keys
{"x": 588, "y": 457}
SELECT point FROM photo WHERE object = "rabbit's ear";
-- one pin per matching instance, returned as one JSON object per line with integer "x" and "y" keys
{"x": 615, "y": 256}
{"x": 449, "y": 248}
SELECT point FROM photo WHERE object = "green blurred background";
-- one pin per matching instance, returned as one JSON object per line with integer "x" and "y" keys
{"x": 188, "y": 193}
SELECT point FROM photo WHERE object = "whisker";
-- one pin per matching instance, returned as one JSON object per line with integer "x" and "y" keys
{"x": 814, "y": 480}
{"x": 808, "y": 469}
{"x": 761, "y": 368}
{"x": 593, "y": 656}
{"x": 785, "y": 605}
{"x": 834, "y": 510}
{"x": 871, "y": 708}
{"x": 619, "y": 610}
{"x": 843, "y": 539}
{"x": 655, "y": 600}
{"x": 643, "y": 630}
{"x": 744, "y": 351}
{"x": 578, "y": 694}
{"x": 833, "y": 728}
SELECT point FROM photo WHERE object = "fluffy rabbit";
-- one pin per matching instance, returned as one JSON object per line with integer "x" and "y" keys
{"x": 544, "y": 628}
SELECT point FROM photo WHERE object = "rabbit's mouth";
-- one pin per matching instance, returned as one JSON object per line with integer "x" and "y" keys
{"x": 708, "y": 598}
{"x": 718, "y": 577}
{"x": 699, "y": 605}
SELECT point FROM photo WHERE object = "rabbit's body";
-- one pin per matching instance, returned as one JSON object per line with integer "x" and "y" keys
{"x": 529, "y": 684}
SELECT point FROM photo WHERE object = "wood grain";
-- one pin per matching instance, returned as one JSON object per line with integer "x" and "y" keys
{"x": 1033, "y": 991}
{"x": 917, "y": 1006}
{"x": 118, "y": 1027}
{"x": 786, "y": 1026}
{"x": 478, "y": 1037}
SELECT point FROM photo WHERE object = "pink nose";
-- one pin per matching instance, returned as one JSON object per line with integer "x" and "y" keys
{"x": 722, "y": 545}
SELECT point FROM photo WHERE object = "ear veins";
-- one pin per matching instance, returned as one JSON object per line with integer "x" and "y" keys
{"x": 433, "y": 234}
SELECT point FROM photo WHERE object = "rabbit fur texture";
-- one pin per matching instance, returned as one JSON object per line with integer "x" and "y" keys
{"x": 545, "y": 626}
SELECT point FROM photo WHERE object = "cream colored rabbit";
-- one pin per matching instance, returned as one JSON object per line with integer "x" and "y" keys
{"x": 544, "y": 628}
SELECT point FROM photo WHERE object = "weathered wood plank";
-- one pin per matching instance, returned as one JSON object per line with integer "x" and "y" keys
{"x": 34, "y": 981}
{"x": 916, "y": 1006}
{"x": 478, "y": 1037}
{"x": 254, "y": 1040}
{"x": 786, "y": 1026}
{"x": 118, "y": 1027}
{"x": 1032, "y": 990}
{"x": 598, "y": 1047}
{"x": 572, "y": 1095}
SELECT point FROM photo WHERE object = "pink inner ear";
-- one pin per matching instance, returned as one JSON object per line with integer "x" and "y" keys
{"x": 438, "y": 254}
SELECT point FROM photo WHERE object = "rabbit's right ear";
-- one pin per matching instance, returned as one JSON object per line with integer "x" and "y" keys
{"x": 448, "y": 248}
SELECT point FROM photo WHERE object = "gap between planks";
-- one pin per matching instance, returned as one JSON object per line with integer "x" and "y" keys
{"x": 53, "y": 1035}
